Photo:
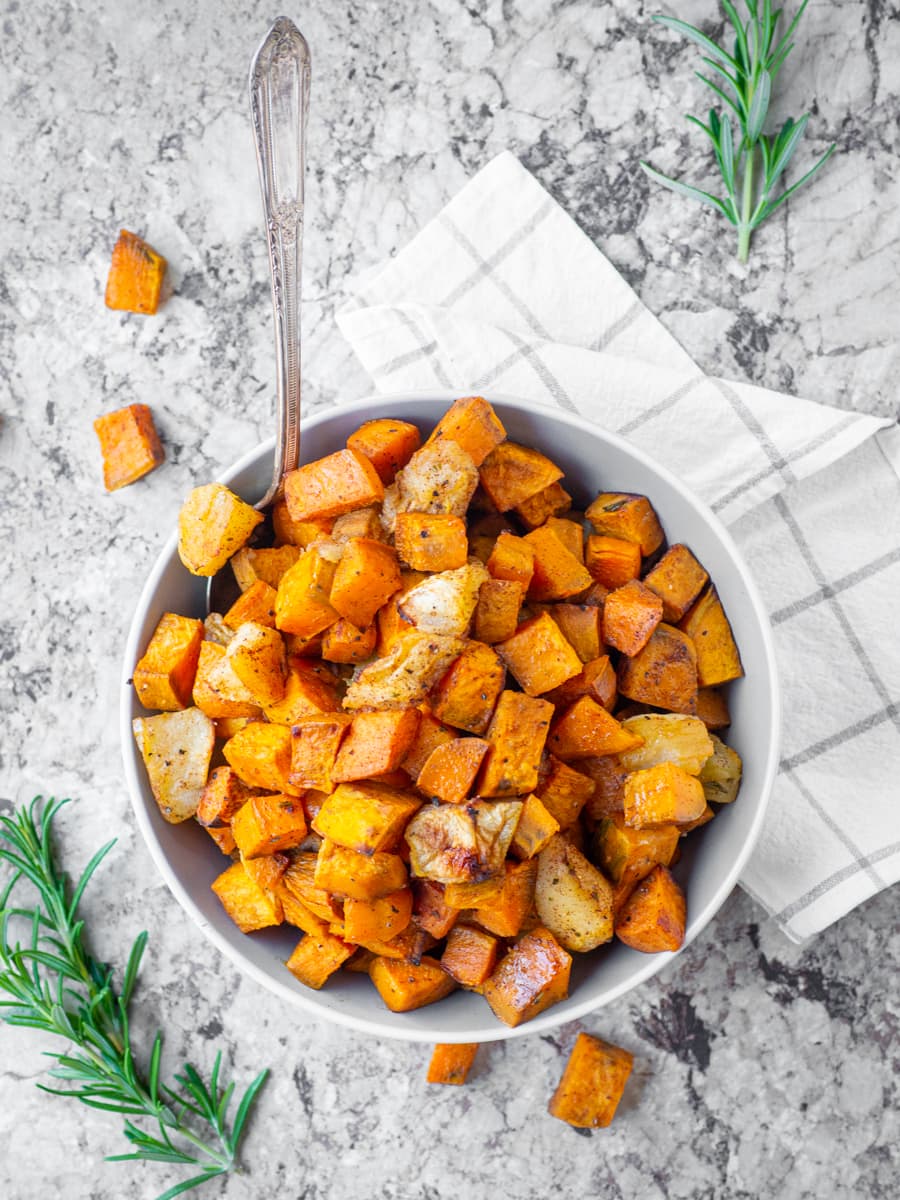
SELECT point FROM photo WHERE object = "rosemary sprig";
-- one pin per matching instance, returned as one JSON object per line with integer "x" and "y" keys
{"x": 54, "y": 984}
{"x": 750, "y": 161}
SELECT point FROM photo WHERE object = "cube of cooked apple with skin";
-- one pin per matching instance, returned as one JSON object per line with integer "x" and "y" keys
{"x": 472, "y": 423}
{"x": 662, "y": 795}
{"x": 164, "y": 675}
{"x": 654, "y": 915}
{"x": 538, "y": 655}
{"x": 256, "y": 654}
{"x": 387, "y": 444}
{"x": 336, "y": 484}
{"x": 572, "y": 898}
{"x": 361, "y": 876}
{"x": 176, "y": 748}
{"x": 531, "y": 977}
{"x": 360, "y": 523}
{"x": 268, "y": 824}
{"x": 403, "y": 677}
{"x": 316, "y": 958}
{"x": 129, "y": 444}
{"x": 365, "y": 817}
{"x": 667, "y": 737}
{"x": 461, "y": 843}
{"x": 261, "y": 755}
{"x": 450, "y": 1064}
{"x": 445, "y": 602}
{"x": 244, "y": 900}
{"x": 439, "y": 478}
{"x": 592, "y": 1084}
{"x": 404, "y": 986}
{"x": 627, "y": 516}
{"x": 721, "y": 774}
{"x": 213, "y": 524}
{"x": 223, "y": 794}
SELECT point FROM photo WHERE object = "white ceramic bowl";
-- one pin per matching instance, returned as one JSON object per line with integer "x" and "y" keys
{"x": 712, "y": 857}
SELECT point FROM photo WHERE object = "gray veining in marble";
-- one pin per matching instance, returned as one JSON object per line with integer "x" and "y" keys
{"x": 762, "y": 1069}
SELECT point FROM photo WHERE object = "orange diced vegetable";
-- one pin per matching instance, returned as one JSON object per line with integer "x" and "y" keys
{"x": 472, "y": 423}
{"x": 135, "y": 275}
{"x": 365, "y": 817}
{"x": 570, "y": 532}
{"x": 535, "y": 829}
{"x": 317, "y": 957}
{"x": 314, "y": 745}
{"x": 624, "y": 515}
{"x": 512, "y": 473}
{"x": 612, "y": 561}
{"x": 712, "y": 708}
{"x": 466, "y": 695}
{"x": 580, "y": 624}
{"x": 597, "y": 680}
{"x": 302, "y": 603}
{"x": 497, "y": 611}
{"x": 563, "y": 791}
{"x": 223, "y": 837}
{"x": 451, "y": 1063}
{"x": 558, "y": 574}
{"x": 430, "y": 734}
{"x": 360, "y": 523}
{"x": 592, "y": 1084}
{"x": 297, "y": 533}
{"x": 213, "y": 524}
{"x": 164, "y": 675}
{"x": 511, "y": 558}
{"x": 129, "y": 444}
{"x": 517, "y": 733}
{"x": 404, "y": 986}
{"x": 664, "y": 673}
{"x": 532, "y": 976}
{"x": 552, "y": 501}
{"x": 470, "y": 955}
{"x": 362, "y": 876}
{"x": 387, "y": 444}
{"x": 718, "y": 658}
{"x": 378, "y": 920}
{"x": 678, "y": 580}
{"x": 431, "y": 541}
{"x": 539, "y": 656}
{"x": 256, "y": 655}
{"x": 506, "y": 911}
{"x": 366, "y": 577}
{"x": 377, "y": 743}
{"x": 217, "y": 690}
{"x": 310, "y": 688}
{"x": 630, "y": 614}
{"x": 473, "y": 893}
{"x": 450, "y": 770}
{"x": 662, "y": 795}
{"x": 586, "y": 730}
{"x": 256, "y": 604}
{"x": 430, "y": 909}
{"x": 268, "y": 564}
{"x": 222, "y": 796}
{"x": 408, "y": 946}
{"x": 248, "y": 905}
{"x": 261, "y": 755}
{"x": 653, "y": 917}
{"x": 609, "y": 777}
{"x": 268, "y": 824}
{"x": 628, "y": 855}
{"x": 344, "y": 643}
{"x": 332, "y": 485}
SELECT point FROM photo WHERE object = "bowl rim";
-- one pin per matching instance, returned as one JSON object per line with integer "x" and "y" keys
{"x": 497, "y": 1032}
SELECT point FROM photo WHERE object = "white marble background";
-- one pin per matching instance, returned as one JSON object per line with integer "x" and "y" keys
{"x": 762, "y": 1069}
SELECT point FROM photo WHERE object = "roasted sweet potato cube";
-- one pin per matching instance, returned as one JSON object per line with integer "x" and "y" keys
{"x": 387, "y": 444}
{"x": 299, "y": 880}
{"x": 298, "y": 533}
{"x": 628, "y": 855}
{"x": 686, "y": 827}
{"x": 535, "y": 829}
{"x": 268, "y": 564}
{"x": 430, "y": 734}
{"x": 302, "y": 603}
{"x": 256, "y": 604}
{"x": 664, "y": 673}
{"x": 551, "y": 501}
{"x": 512, "y": 474}
{"x": 473, "y": 894}
{"x": 377, "y": 743}
{"x": 570, "y": 532}
{"x": 517, "y": 733}
{"x": 483, "y": 533}
{"x": 718, "y": 658}
{"x": 213, "y": 524}
{"x": 317, "y": 957}
{"x": 248, "y": 905}
{"x": 580, "y": 624}
{"x": 362, "y": 876}
{"x": 332, "y": 485}
{"x": 223, "y": 837}
{"x": 497, "y": 611}
{"x": 539, "y": 656}
{"x": 531, "y": 977}
{"x": 404, "y": 986}
{"x": 563, "y": 791}
{"x": 164, "y": 675}
{"x": 297, "y": 913}
{"x": 466, "y": 695}
{"x": 365, "y": 817}
{"x": 630, "y": 614}
{"x": 378, "y": 920}
{"x": 511, "y": 558}
{"x": 268, "y": 824}
{"x": 315, "y": 740}
{"x": 136, "y": 275}
{"x": 431, "y": 541}
{"x": 344, "y": 643}
{"x": 712, "y": 708}
{"x": 470, "y": 955}
{"x": 256, "y": 655}
{"x": 310, "y": 688}
{"x": 472, "y": 423}
{"x": 430, "y": 909}
{"x": 408, "y": 946}
{"x": 653, "y": 917}
{"x": 592, "y": 1084}
{"x": 176, "y": 748}
{"x": 261, "y": 755}
{"x": 662, "y": 795}
{"x": 449, "y": 771}
{"x": 612, "y": 561}
{"x": 558, "y": 574}
{"x": 217, "y": 690}
{"x": 222, "y": 796}
{"x": 366, "y": 577}
{"x": 624, "y": 515}
{"x": 678, "y": 580}
{"x": 608, "y": 797}
{"x": 451, "y": 1063}
{"x": 585, "y": 730}
{"x": 597, "y": 679}
{"x": 506, "y": 912}
{"x": 129, "y": 445}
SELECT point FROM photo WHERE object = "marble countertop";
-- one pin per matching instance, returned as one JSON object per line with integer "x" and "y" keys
{"x": 762, "y": 1068}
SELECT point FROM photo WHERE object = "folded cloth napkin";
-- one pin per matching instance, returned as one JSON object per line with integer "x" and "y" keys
{"x": 502, "y": 292}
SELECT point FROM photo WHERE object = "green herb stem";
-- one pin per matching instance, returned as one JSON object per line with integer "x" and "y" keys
{"x": 745, "y": 228}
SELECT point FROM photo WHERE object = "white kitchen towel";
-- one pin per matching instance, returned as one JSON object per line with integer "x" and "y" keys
{"x": 502, "y": 292}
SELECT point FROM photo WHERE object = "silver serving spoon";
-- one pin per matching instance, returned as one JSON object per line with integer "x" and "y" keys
{"x": 279, "y": 103}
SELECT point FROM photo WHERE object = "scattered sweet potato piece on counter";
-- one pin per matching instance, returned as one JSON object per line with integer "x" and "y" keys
{"x": 176, "y": 748}
{"x": 222, "y": 796}
{"x": 467, "y": 694}
{"x": 451, "y": 1063}
{"x": 164, "y": 675}
{"x": 678, "y": 580}
{"x": 592, "y": 1084}
{"x": 536, "y": 827}
{"x": 248, "y": 905}
{"x": 597, "y": 679}
{"x": 268, "y": 824}
{"x": 497, "y": 611}
{"x": 365, "y": 578}
{"x": 430, "y": 909}
{"x": 472, "y": 423}
{"x": 342, "y": 642}
{"x": 213, "y": 524}
{"x": 261, "y": 755}
{"x": 470, "y": 955}
{"x": 585, "y": 730}
{"x": 332, "y": 485}
{"x": 718, "y": 658}
{"x": 377, "y": 743}
{"x": 387, "y": 444}
{"x": 378, "y": 920}
{"x": 539, "y": 656}
{"x": 662, "y": 795}
{"x": 563, "y": 791}
{"x": 431, "y": 541}
{"x": 365, "y": 817}
{"x": 580, "y": 624}
{"x": 317, "y": 957}
{"x": 612, "y": 561}
{"x": 517, "y": 733}
{"x": 129, "y": 445}
{"x": 257, "y": 604}
{"x": 362, "y": 876}
{"x": 512, "y": 474}
{"x": 531, "y": 977}
{"x": 505, "y": 913}
{"x": 630, "y": 614}
{"x": 664, "y": 673}
{"x": 135, "y": 277}
{"x": 653, "y": 917}
{"x": 551, "y": 501}
{"x": 256, "y": 655}
{"x": 558, "y": 574}
{"x": 217, "y": 690}
{"x": 627, "y": 516}
{"x": 511, "y": 558}
{"x": 449, "y": 771}
{"x": 302, "y": 602}
{"x": 404, "y": 986}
